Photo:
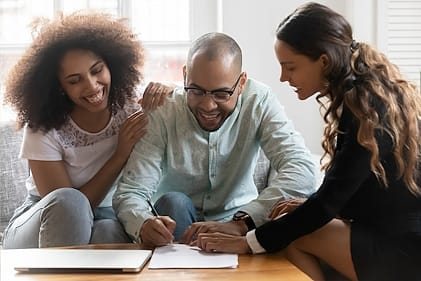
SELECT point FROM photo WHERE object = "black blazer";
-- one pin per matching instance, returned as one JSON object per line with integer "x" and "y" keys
{"x": 351, "y": 191}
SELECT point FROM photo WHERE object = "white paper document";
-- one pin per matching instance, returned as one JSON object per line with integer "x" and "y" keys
{"x": 185, "y": 256}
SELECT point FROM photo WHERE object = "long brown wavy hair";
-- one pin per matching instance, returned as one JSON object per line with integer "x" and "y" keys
{"x": 359, "y": 77}
{"x": 32, "y": 86}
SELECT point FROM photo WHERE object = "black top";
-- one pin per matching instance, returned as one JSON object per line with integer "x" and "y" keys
{"x": 351, "y": 191}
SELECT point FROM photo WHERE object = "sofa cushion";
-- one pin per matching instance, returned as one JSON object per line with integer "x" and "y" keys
{"x": 13, "y": 172}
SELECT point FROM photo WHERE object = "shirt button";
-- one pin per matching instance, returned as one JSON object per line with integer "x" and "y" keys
{"x": 208, "y": 197}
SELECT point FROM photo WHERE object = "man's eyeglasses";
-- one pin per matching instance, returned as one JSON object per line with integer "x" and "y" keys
{"x": 219, "y": 95}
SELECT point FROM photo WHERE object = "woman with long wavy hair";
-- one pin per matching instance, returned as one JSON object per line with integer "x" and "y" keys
{"x": 365, "y": 219}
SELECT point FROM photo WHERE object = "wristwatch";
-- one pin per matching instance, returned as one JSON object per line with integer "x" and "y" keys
{"x": 243, "y": 216}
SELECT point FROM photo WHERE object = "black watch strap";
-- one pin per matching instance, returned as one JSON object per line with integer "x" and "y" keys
{"x": 240, "y": 215}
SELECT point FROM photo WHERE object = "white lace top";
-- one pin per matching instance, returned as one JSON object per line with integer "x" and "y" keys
{"x": 83, "y": 153}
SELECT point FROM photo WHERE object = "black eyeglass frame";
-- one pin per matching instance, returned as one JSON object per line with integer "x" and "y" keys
{"x": 212, "y": 93}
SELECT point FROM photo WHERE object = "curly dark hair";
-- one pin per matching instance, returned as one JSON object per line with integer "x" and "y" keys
{"x": 359, "y": 77}
{"x": 32, "y": 86}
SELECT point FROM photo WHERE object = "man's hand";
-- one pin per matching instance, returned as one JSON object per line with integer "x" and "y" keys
{"x": 221, "y": 242}
{"x": 235, "y": 228}
{"x": 157, "y": 231}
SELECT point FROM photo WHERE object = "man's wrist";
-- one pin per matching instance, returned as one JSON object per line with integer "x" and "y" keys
{"x": 240, "y": 226}
{"x": 246, "y": 218}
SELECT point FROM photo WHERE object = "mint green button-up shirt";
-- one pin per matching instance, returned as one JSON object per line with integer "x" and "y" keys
{"x": 215, "y": 169}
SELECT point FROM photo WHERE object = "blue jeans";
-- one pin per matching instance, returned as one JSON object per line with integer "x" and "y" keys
{"x": 180, "y": 208}
{"x": 62, "y": 218}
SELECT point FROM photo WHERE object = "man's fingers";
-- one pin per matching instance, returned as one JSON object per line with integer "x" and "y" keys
{"x": 163, "y": 230}
{"x": 156, "y": 231}
{"x": 188, "y": 234}
{"x": 169, "y": 223}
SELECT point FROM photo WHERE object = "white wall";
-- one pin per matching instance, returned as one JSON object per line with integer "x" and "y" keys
{"x": 253, "y": 23}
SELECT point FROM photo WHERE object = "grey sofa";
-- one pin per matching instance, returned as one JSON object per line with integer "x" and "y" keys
{"x": 14, "y": 171}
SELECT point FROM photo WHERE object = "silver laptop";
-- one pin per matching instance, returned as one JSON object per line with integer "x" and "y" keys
{"x": 62, "y": 260}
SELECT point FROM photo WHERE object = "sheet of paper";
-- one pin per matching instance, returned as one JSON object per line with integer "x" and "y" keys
{"x": 185, "y": 256}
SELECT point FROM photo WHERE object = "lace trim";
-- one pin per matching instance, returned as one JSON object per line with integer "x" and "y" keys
{"x": 69, "y": 135}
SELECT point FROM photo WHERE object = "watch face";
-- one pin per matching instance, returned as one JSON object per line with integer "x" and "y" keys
{"x": 240, "y": 216}
{"x": 246, "y": 218}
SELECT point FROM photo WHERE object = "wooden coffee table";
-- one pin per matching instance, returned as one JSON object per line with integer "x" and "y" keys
{"x": 263, "y": 267}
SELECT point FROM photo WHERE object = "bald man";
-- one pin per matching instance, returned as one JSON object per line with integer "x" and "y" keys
{"x": 196, "y": 162}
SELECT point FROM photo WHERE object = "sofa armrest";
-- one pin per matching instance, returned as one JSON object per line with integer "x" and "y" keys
{"x": 13, "y": 173}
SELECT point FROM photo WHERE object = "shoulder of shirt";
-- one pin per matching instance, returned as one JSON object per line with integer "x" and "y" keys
{"x": 256, "y": 88}
{"x": 258, "y": 85}
{"x": 40, "y": 132}
{"x": 40, "y": 135}
{"x": 177, "y": 94}
{"x": 256, "y": 93}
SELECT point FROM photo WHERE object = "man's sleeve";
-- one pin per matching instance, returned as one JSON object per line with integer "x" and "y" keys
{"x": 140, "y": 177}
{"x": 289, "y": 157}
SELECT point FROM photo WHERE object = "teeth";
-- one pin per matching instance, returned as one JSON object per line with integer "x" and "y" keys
{"x": 95, "y": 98}
{"x": 209, "y": 116}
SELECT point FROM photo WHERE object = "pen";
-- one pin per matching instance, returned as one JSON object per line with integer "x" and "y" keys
{"x": 154, "y": 212}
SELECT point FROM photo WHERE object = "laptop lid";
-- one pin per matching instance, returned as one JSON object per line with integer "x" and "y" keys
{"x": 45, "y": 260}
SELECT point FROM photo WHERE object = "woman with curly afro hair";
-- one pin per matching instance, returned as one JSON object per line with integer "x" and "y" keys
{"x": 74, "y": 91}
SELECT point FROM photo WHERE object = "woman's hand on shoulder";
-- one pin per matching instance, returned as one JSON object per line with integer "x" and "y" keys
{"x": 131, "y": 131}
{"x": 155, "y": 95}
{"x": 134, "y": 128}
